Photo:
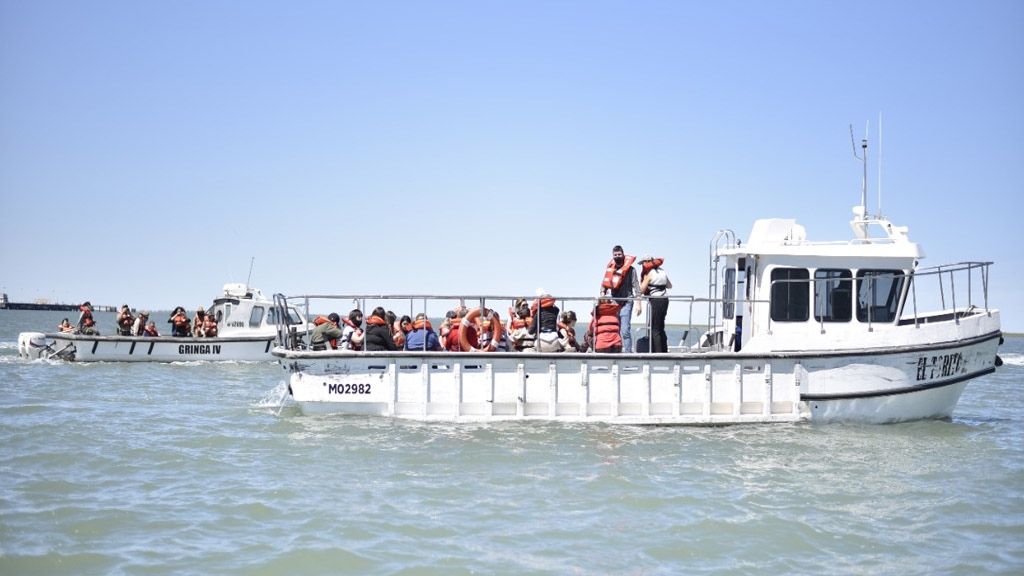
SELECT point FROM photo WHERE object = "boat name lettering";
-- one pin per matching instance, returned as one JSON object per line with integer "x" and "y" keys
{"x": 236, "y": 324}
{"x": 931, "y": 367}
{"x": 199, "y": 349}
{"x": 348, "y": 388}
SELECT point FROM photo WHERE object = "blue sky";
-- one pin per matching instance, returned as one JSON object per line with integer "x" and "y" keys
{"x": 149, "y": 150}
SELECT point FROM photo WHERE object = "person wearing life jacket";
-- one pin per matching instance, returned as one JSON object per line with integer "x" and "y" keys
{"x": 450, "y": 331}
{"x": 422, "y": 337}
{"x": 604, "y": 328}
{"x": 179, "y": 323}
{"x": 378, "y": 332}
{"x": 545, "y": 323}
{"x": 326, "y": 331}
{"x": 352, "y": 332}
{"x": 139, "y": 326}
{"x": 620, "y": 282}
{"x": 209, "y": 329}
{"x": 399, "y": 329}
{"x": 150, "y": 330}
{"x": 65, "y": 326}
{"x": 86, "y": 323}
{"x": 656, "y": 285}
{"x": 567, "y": 331}
{"x": 197, "y": 323}
{"x": 520, "y": 336}
{"x": 125, "y": 321}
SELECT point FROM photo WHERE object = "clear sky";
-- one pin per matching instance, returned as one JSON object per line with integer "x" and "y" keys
{"x": 149, "y": 150}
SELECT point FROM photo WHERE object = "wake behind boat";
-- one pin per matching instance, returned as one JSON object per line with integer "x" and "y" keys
{"x": 247, "y": 324}
{"x": 795, "y": 330}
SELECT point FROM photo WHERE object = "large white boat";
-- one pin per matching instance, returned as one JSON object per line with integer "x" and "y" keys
{"x": 795, "y": 330}
{"x": 247, "y": 326}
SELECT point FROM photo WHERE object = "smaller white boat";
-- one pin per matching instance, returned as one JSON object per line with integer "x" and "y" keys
{"x": 247, "y": 325}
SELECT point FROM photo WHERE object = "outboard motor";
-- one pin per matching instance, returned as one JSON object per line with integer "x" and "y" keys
{"x": 33, "y": 346}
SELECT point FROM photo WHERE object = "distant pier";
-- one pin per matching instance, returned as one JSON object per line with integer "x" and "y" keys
{"x": 6, "y": 304}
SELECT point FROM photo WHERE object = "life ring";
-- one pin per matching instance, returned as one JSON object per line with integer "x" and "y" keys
{"x": 474, "y": 317}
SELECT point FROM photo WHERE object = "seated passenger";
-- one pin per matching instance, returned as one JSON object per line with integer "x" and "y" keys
{"x": 65, "y": 326}
{"x": 352, "y": 333}
{"x": 521, "y": 337}
{"x": 125, "y": 320}
{"x": 450, "y": 337}
{"x": 545, "y": 324}
{"x": 197, "y": 323}
{"x": 378, "y": 333}
{"x": 139, "y": 326}
{"x": 86, "y": 323}
{"x": 567, "y": 331}
{"x": 179, "y": 323}
{"x": 209, "y": 328}
{"x": 605, "y": 327}
{"x": 326, "y": 332}
{"x": 422, "y": 336}
{"x": 150, "y": 330}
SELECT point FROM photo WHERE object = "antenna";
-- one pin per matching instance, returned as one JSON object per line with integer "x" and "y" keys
{"x": 253, "y": 261}
{"x": 864, "y": 161}
{"x": 879, "y": 166}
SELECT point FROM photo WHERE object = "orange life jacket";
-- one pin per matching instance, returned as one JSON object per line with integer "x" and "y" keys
{"x": 357, "y": 329}
{"x": 88, "y": 316}
{"x": 376, "y": 321}
{"x": 210, "y": 325}
{"x": 180, "y": 319}
{"x": 613, "y": 276}
{"x": 544, "y": 303}
{"x": 322, "y": 320}
{"x": 126, "y": 319}
{"x": 422, "y": 324}
{"x": 150, "y": 331}
{"x": 649, "y": 265}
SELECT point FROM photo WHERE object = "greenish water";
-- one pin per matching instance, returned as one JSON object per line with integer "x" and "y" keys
{"x": 200, "y": 469}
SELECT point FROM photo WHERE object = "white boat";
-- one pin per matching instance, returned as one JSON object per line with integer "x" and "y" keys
{"x": 853, "y": 330}
{"x": 247, "y": 327}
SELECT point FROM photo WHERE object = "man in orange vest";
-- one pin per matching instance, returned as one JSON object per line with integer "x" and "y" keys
{"x": 621, "y": 283}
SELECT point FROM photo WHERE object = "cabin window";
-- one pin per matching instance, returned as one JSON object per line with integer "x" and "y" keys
{"x": 257, "y": 317}
{"x": 833, "y": 295}
{"x": 729, "y": 294}
{"x": 293, "y": 316}
{"x": 790, "y": 295}
{"x": 878, "y": 294}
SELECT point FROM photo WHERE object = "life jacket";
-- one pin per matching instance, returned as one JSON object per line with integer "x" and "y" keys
{"x": 126, "y": 319}
{"x": 544, "y": 303}
{"x": 376, "y": 321}
{"x": 606, "y": 326}
{"x": 570, "y": 334}
{"x": 397, "y": 334}
{"x": 210, "y": 325}
{"x": 450, "y": 339}
{"x": 180, "y": 319}
{"x": 88, "y": 316}
{"x": 613, "y": 276}
{"x": 356, "y": 330}
{"x": 515, "y": 322}
{"x": 322, "y": 320}
{"x": 150, "y": 331}
{"x": 649, "y": 265}
{"x": 418, "y": 324}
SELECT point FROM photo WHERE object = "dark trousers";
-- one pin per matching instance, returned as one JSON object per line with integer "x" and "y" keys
{"x": 659, "y": 309}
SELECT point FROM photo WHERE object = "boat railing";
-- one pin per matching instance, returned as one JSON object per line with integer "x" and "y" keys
{"x": 437, "y": 306}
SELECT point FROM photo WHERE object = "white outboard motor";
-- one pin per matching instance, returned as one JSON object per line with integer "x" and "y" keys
{"x": 33, "y": 346}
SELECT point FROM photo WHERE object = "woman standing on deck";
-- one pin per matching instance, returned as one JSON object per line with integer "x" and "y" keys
{"x": 656, "y": 285}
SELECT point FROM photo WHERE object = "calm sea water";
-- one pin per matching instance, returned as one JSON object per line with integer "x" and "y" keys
{"x": 200, "y": 469}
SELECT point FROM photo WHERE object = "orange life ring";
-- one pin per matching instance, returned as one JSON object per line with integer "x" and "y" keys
{"x": 474, "y": 316}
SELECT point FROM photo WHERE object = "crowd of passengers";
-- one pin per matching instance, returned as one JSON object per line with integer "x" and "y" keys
{"x": 531, "y": 326}
{"x": 202, "y": 325}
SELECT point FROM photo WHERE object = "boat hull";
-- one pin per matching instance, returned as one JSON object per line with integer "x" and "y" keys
{"x": 82, "y": 348}
{"x": 880, "y": 385}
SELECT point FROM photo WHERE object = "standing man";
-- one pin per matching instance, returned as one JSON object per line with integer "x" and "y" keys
{"x": 621, "y": 283}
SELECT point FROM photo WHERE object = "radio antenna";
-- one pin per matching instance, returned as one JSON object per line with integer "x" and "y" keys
{"x": 253, "y": 261}
{"x": 879, "y": 165}
{"x": 864, "y": 161}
